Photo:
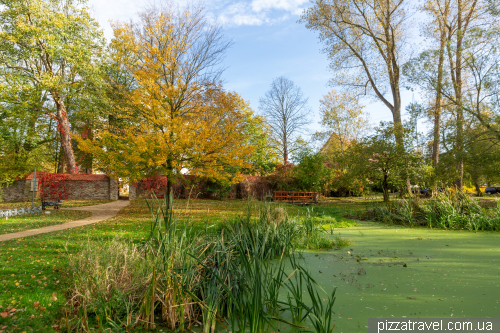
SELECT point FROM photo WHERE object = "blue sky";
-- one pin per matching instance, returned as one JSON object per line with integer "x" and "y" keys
{"x": 268, "y": 42}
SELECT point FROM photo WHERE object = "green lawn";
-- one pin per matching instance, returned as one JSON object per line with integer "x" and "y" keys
{"x": 33, "y": 221}
{"x": 65, "y": 204}
{"x": 447, "y": 272}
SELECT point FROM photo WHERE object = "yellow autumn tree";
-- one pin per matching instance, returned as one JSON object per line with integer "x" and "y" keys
{"x": 343, "y": 120}
{"x": 172, "y": 114}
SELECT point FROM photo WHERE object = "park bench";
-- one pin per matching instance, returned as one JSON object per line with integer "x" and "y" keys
{"x": 296, "y": 197}
{"x": 56, "y": 204}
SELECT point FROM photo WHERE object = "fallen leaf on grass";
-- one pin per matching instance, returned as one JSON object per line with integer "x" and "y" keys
{"x": 4, "y": 314}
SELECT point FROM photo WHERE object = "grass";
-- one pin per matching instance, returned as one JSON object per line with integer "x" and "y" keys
{"x": 33, "y": 221}
{"x": 66, "y": 203}
{"x": 447, "y": 271}
{"x": 35, "y": 268}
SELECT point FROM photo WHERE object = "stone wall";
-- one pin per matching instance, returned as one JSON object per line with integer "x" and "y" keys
{"x": 132, "y": 192}
{"x": 15, "y": 192}
{"x": 78, "y": 186}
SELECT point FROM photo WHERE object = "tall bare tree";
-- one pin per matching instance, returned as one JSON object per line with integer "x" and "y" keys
{"x": 462, "y": 72}
{"x": 366, "y": 43}
{"x": 439, "y": 31}
{"x": 286, "y": 110}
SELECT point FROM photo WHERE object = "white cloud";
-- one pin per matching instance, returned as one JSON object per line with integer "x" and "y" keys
{"x": 258, "y": 12}
{"x": 287, "y": 5}
{"x": 226, "y": 12}
{"x": 240, "y": 14}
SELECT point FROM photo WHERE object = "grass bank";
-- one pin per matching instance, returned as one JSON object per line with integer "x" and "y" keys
{"x": 447, "y": 210}
{"x": 33, "y": 221}
{"x": 36, "y": 275}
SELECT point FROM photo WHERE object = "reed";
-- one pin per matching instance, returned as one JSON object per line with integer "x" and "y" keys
{"x": 448, "y": 210}
{"x": 180, "y": 278}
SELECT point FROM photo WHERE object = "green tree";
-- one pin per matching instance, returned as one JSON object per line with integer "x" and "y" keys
{"x": 266, "y": 153}
{"x": 310, "y": 174}
{"x": 383, "y": 162}
{"x": 49, "y": 57}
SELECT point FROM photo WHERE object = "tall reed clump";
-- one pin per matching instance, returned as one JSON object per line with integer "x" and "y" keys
{"x": 448, "y": 210}
{"x": 314, "y": 233}
{"x": 109, "y": 278}
{"x": 235, "y": 280}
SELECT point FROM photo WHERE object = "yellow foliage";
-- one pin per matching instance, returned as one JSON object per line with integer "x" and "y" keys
{"x": 171, "y": 118}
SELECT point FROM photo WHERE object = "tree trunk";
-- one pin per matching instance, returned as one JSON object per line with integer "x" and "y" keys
{"x": 60, "y": 161}
{"x": 169, "y": 194}
{"x": 437, "y": 106}
{"x": 285, "y": 150}
{"x": 478, "y": 188}
{"x": 460, "y": 112}
{"x": 396, "y": 109}
{"x": 385, "y": 188}
{"x": 64, "y": 131}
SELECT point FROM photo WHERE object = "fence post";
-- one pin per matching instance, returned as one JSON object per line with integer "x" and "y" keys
{"x": 35, "y": 187}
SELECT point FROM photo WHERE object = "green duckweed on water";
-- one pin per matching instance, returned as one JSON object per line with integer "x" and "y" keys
{"x": 393, "y": 271}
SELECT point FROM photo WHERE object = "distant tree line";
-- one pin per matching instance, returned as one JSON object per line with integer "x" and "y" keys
{"x": 151, "y": 100}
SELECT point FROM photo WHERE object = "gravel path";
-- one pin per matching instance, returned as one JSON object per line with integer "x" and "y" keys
{"x": 99, "y": 213}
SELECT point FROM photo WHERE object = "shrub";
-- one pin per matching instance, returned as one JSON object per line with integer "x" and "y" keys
{"x": 448, "y": 210}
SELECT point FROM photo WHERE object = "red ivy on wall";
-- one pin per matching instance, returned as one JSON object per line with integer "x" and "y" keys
{"x": 156, "y": 184}
{"x": 53, "y": 186}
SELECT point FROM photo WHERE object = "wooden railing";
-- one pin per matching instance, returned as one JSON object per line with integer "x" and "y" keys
{"x": 296, "y": 197}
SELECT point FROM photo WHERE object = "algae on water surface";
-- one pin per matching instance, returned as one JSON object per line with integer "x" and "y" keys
{"x": 399, "y": 272}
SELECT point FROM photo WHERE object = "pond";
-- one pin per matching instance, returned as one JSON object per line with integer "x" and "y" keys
{"x": 394, "y": 271}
